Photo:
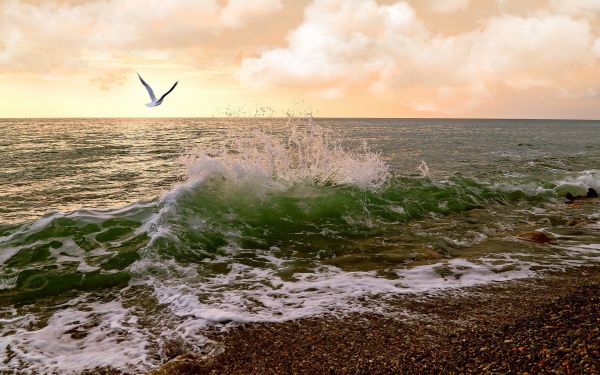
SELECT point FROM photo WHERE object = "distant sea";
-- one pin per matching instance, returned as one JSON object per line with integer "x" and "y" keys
{"x": 119, "y": 236}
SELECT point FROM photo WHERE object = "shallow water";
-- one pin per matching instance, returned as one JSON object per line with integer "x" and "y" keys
{"x": 120, "y": 237}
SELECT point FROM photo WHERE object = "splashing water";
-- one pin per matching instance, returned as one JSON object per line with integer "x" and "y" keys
{"x": 424, "y": 169}
{"x": 578, "y": 184}
{"x": 310, "y": 154}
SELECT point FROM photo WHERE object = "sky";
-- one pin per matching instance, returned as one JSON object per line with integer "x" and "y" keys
{"x": 330, "y": 58}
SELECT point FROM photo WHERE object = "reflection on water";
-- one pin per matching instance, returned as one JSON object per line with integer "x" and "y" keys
{"x": 66, "y": 164}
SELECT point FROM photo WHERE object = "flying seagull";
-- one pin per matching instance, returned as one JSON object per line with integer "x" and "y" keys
{"x": 155, "y": 102}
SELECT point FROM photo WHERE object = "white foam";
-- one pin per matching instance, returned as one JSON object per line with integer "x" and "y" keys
{"x": 17, "y": 321}
{"x": 193, "y": 302}
{"x": 114, "y": 341}
{"x": 530, "y": 189}
{"x": 468, "y": 239}
{"x": 8, "y": 282}
{"x": 7, "y": 252}
{"x": 579, "y": 183}
{"x": 84, "y": 267}
{"x": 250, "y": 294}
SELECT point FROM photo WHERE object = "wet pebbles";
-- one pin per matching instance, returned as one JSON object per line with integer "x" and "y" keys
{"x": 541, "y": 325}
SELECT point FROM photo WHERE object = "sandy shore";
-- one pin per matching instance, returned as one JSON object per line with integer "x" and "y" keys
{"x": 548, "y": 324}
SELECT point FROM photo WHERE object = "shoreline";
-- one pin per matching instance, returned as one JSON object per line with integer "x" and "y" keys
{"x": 548, "y": 323}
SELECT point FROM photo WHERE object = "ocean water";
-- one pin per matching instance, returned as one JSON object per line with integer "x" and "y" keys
{"x": 120, "y": 238}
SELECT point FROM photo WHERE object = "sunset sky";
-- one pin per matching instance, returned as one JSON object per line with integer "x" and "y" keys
{"x": 347, "y": 58}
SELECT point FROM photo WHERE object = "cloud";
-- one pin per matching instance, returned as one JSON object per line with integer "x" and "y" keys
{"x": 448, "y": 6}
{"x": 238, "y": 12}
{"x": 355, "y": 45}
{"x": 576, "y": 7}
{"x": 110, "y": 79}
{"x": 589, "y": 93}
{"x": 42, "y": 36}
{"x": 339, "y": 42}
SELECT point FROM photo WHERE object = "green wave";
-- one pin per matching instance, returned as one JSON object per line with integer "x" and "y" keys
{"x": 307, "y": 217}
{"x": 50, "y": 253}
{"x": 218, "y": 218}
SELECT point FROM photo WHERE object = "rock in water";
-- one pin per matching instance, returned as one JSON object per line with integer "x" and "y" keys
{"x": 592, "y": 193}
{"x": 535, "y": 236}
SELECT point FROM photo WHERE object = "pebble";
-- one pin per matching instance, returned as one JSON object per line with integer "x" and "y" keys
{"x": 549, "y": 325}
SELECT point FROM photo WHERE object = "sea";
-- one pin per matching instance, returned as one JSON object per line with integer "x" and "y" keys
{"x": 120, "y": 238}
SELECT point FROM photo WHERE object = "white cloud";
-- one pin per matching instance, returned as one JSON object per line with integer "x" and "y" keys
{"x": 345, "y": 45}
{"x": 108, "y": 23}
{"x": 44, "y": 36}
{"x": 340, "y": 40}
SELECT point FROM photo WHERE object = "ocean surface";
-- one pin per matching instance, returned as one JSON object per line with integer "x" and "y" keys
{"x": 122, "y": 238}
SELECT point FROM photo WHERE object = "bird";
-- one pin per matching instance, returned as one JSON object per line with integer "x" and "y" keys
{"x": 154, "y": 102}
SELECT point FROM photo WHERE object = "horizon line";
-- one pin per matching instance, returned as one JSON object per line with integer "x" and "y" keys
{"x": 314, "y": 117}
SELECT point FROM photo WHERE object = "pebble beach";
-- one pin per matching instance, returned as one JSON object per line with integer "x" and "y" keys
{"x": 548, "y": 324}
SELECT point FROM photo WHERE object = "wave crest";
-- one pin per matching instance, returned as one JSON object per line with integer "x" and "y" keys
{"x": 309, "y": 153}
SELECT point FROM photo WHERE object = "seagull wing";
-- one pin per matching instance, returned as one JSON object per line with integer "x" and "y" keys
{"x": 148, "y": 88}
{"x": 168, "y": 92}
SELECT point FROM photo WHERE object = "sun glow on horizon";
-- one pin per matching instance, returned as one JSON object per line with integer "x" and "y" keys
{"x": 343, "y": 58}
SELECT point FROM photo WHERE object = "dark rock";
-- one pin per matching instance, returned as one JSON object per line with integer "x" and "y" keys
{"x": 591, "y": 193}
{"x": 536, "y": 236}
